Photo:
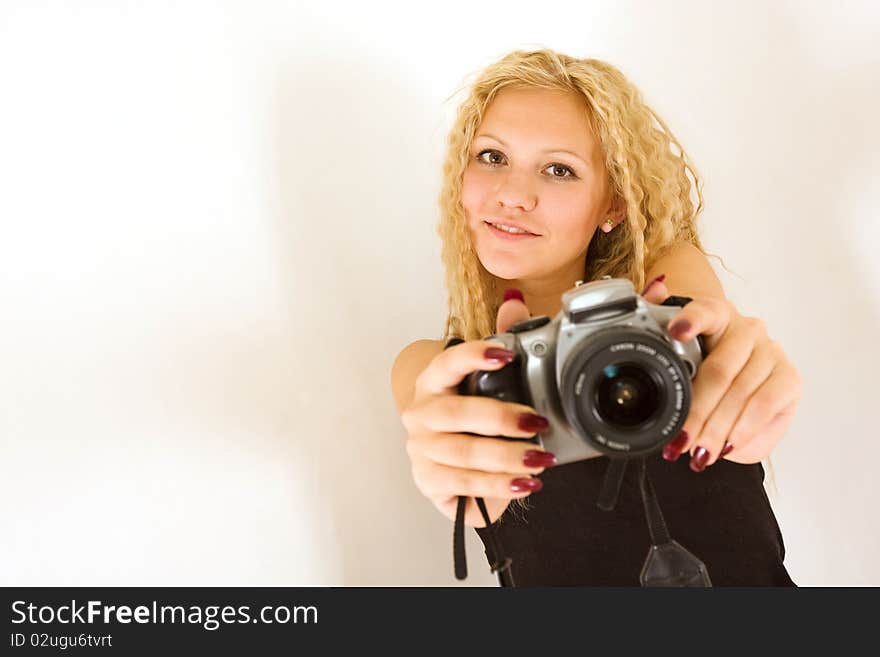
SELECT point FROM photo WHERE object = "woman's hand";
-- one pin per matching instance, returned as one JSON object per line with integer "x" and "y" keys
{"x": 446, "y": 462}
{"x": 745, "y": 392}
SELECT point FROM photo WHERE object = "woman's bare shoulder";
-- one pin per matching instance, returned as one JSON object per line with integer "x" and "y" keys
{"x": 418, "y": 353}
{"x": 408, "y": 364}
{"x": 422, "y": 346}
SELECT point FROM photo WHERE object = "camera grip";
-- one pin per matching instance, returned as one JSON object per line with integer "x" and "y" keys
{"x": 505, "y": 385}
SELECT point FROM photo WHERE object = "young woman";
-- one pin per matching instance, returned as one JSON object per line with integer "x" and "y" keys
{"x": 558, "y": 172}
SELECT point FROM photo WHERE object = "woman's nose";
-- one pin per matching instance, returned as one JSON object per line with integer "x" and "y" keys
{"x": 515, "y": 191}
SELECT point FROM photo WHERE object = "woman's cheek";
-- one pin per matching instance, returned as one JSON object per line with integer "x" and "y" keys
{"x": 575, "y": 214}
{"x": 470, "y": 192}
{"x": 476, "y": 196}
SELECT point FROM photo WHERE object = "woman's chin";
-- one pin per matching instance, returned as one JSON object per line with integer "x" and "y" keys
{"x": 508, "y": 271}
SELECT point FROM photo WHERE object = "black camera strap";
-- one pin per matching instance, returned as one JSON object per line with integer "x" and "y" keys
{"x": 500, "y": 564}
{"x": 668, "y": 563}
{"x": 656, "y": 522}
{"x": 611, "y": 484}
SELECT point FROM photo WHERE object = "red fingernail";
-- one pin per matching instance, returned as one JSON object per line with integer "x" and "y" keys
{"x": 513, "y": 293}
{"x": 699, "y": 459}
{"x": 526, "y": 483}
{"x": 674, "y": 449}
{"x": 679, "y": 329}
{"x": 537, "y": 459}
{"x": 727, "y": 449}
{"x": 498, "y": 355}
{"x": 659, "y": 279}
{"x": 532, "y": 423}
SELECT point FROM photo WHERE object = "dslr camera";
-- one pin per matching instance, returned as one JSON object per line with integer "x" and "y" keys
{"x": 604, "y": 372}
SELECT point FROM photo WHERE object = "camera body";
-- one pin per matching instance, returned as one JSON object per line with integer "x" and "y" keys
{"x": 604, "y": 372}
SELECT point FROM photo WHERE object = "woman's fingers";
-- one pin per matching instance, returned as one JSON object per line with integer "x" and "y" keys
{"x": 714, "y": 381}
{"x": 450, "y": 366}
{"x": 485, "y": 416}
{"x": 512, "y": 311}
{"x": 767, "y": 414}
{"x": 709, "y": 317}
{"x": 439, "y": 481}
{"x": 715, "y": 432}
{"x": 656, "y": 291}
{"x": 481, "y": 453}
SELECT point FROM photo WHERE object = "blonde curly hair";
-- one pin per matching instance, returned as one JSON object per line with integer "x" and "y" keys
{"x": 645, "y": 171}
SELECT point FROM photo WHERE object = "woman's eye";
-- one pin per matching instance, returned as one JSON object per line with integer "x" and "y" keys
{"x": 560, "y": 171}
{"x": 494, "y": 157}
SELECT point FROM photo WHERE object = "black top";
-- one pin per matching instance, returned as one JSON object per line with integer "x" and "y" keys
{"x": 722, "y": 515}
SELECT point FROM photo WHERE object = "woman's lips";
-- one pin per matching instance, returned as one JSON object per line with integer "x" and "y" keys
{"x": 510, "y": 237}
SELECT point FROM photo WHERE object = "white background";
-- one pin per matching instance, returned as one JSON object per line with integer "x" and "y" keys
{"x": 218, "y": 230}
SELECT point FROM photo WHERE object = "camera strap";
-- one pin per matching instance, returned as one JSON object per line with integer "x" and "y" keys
{"x": 668, "y": 563}
{"x": 611, "y": 484}
{"x": 500, "y": 565}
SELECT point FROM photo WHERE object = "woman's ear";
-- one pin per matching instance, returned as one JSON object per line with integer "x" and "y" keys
{"x": 617, "y": 213}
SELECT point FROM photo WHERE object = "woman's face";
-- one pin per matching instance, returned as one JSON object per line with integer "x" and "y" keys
{"x": 535, "y": 165}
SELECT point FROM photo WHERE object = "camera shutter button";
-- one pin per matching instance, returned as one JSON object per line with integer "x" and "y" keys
{"x": 529, "y": 324}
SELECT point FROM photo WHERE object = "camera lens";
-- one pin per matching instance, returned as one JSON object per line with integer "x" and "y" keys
{"x": 626, "y": 395}
{"x": 624, "y": 391}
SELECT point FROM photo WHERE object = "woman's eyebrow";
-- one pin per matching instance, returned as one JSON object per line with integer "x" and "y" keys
{"x": 548, "y": 151}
